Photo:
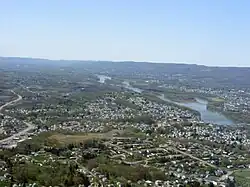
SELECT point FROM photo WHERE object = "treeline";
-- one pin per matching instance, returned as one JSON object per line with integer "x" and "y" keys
{"x": 52, "y": 174}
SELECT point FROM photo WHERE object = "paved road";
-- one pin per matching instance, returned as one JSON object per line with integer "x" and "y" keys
{"x": 149, "y": 159}
{"x": 183, "y": 153}
{"x": 193, "y": 157}
{"x": 173, "y": 148}
{"x": 11, "y": 102}
{"x": 224, "y": 177}
{"x": 24, "y": 131}
{"x": 89, "y": 172}
{"x": 116, "y": 146}
{"x": 29, "y": 125}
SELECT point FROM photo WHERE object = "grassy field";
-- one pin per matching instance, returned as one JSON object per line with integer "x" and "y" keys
{"x": 63, "y": 139}
{"x": 243, "y": 177}
{"x": 217, "y": 99}
{"x": 182, "y": 96}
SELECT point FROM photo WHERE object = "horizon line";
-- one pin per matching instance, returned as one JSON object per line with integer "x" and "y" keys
{"x": 122, "y": 61}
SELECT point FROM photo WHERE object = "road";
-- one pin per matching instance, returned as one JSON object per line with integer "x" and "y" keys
{"x": 11, "y": 102}
{"x": 116, "y": 146}
{"x": 193, "y": 157}
{"x": 224, "y": 177}
{"x": 173, "y": 148}
{"x": 89, "y": 172}
{"x": 24, "y": 131}
{"x": 149, "y": 159}
{"x": 181, "y": 152}
{"x": 29, "y": 125}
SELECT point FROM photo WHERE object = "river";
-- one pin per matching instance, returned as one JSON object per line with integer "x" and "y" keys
{"x": 127, "y": 85}
{"x": 207, "y": 116}
{"x": 199, "y": 105}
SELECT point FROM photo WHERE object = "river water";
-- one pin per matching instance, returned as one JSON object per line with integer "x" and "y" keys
{"x": 207, "y": 116}
{"x": 199, "y": 105}
{"x": 128, "y": 86}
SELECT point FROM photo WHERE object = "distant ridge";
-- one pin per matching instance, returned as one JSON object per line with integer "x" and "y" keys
{"x": 34, "y": 60}
{"x": 176, "y": 73}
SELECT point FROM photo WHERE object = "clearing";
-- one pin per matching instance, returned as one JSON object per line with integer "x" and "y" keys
{"x": 63, "y": 139}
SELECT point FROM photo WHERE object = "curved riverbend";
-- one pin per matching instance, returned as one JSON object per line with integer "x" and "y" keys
{"x": 199, "y": 105}
{"x": 207, "y": 116}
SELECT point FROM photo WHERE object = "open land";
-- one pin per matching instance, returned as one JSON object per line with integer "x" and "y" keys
{"x": 62, "y": 124}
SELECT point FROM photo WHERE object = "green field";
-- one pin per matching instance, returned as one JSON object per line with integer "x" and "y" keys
{"x": 65, "y": 139}
{"x": 243, "y": 177}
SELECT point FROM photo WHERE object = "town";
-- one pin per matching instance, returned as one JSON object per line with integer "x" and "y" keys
{"x": 72, "y": 129}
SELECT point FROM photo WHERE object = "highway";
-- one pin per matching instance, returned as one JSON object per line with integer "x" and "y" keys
{"x": 29, "y": 125}
{"x": 11, "y": 102}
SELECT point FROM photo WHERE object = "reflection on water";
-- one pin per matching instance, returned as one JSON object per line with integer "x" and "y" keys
{"x": 127, "y": 85}
{"x": 207, "y": 116}
{"x": 200, "y": 105}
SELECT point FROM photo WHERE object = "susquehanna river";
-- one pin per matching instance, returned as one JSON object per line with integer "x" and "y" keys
{"x": 200, "y": 105}
{"x": 207, "y": 116}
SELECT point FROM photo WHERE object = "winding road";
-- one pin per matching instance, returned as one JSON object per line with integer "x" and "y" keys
{"x": 193, "y": 157}
{"x": 11, "y": 102}
{"x": 29, "y": 125}
{"x": 222, "y": 178}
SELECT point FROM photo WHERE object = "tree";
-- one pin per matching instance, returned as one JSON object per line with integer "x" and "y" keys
{"x": 211, "y": 184}
{"x": 86, "y": 181}
{"x": 22, "y": 175}
{"x": 230, "y": 183}
{"x": 70, "y": 146}
{"x": 10, "y": 168}
{"x": 91, "y": 164}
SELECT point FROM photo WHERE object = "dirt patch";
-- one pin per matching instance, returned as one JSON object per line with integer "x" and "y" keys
{"x": 74, "y": 139}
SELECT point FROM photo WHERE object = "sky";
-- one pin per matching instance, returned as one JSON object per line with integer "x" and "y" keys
{"x": 209, "y": 32}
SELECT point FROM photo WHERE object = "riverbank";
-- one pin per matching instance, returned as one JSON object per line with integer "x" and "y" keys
{"x": 236, "y": 117}
{"x": 210, "y": 109}
{"x": 200, "y": 107}
{"x": 159, "y": 98}
{"x": 197, "y": 104}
